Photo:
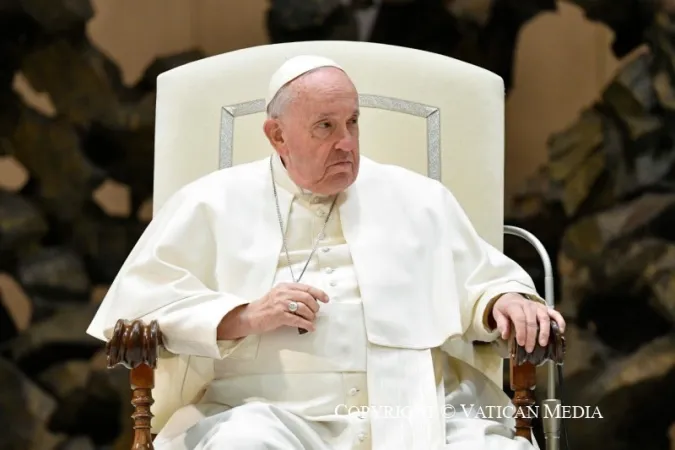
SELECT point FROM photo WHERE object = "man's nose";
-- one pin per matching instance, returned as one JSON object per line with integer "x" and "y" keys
{"x": 347, "y": 141}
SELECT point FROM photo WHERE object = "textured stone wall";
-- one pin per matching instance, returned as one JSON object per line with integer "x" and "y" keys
{"x": 605, "y": 208}
{"x": 59, "y": 246}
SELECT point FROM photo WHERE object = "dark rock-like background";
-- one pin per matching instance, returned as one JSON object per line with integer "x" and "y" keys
{"x": 604, "y": 207}
{"x": 56, "y": 241}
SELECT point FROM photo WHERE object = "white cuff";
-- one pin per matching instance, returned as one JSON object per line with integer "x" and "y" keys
{"x": 192, "y": 330}
{"x": 243, "y": 348}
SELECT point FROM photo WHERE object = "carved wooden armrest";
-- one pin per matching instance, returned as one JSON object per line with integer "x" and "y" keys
{"x": 135, "y": 345}
{"x": 523, "y": 375}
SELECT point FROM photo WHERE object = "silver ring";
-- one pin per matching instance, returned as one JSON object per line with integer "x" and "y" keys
{"x": 292, "y": 307}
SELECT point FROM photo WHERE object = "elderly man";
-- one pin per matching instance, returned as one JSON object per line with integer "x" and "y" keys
{"x": 375, "y": 284}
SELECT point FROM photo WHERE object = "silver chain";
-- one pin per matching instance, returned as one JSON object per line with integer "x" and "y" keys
{"x": 283, "y": 234}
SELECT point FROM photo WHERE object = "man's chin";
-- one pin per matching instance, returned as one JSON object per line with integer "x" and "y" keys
{"x": 339, "y": 182}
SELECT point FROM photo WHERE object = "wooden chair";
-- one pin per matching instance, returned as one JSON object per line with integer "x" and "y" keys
{"x": 136, "y": 345}
{"x": 435, "y": 115}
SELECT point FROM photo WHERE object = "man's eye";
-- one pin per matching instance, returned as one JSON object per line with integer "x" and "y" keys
{"x": 324, "y": 125}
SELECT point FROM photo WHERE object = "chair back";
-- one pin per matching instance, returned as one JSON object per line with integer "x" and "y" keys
{"x": 432, "y": 114}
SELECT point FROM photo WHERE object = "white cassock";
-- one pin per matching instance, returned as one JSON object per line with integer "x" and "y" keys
{"x": 409, "y": 282}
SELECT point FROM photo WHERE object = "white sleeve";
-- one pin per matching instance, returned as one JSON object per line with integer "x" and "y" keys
{"x": 482, "y": 272}
{"x": 169, "y": 277}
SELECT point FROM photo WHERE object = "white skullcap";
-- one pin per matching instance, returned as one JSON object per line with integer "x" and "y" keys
{"x": 292, "y": 69}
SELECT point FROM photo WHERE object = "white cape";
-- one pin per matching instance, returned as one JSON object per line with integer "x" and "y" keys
{"x": 216, "y": 243}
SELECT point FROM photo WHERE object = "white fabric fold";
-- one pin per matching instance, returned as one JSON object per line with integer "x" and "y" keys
{"x": 404, "y": 409}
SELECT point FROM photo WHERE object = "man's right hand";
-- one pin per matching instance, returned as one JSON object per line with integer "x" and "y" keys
{"x": 271, "y": 312}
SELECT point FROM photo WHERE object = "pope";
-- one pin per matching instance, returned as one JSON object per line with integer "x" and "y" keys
{"x": 302, "y": 295}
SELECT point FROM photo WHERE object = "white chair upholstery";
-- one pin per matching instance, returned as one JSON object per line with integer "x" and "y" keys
{"x": 438, "y": 116}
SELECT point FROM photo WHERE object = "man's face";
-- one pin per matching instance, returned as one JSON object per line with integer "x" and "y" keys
{"x": 317, "y": 135}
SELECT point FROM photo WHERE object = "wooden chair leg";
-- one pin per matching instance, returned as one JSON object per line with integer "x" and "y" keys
{"x": 135, "y": 345}
{"x": 523, "y": 382}
{"x": 523, "y": 376}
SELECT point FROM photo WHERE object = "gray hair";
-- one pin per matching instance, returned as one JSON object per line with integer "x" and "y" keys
{"x": 280, "y": 101}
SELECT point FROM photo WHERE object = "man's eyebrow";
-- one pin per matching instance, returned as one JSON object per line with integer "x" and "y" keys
{"x": 357, "y": 112}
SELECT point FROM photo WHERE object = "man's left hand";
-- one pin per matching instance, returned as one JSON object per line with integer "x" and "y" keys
{"x": 528, "y": 318}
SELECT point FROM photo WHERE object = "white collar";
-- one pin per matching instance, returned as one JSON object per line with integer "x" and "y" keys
{"x": 284, "y": 180}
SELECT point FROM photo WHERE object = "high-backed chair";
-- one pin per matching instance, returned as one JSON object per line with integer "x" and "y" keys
{"x": 435, "y": 115}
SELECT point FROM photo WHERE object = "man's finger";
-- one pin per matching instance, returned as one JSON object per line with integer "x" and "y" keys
{"x": 293, "y": 320}
{"x": 305, "y": 299}
{"x": 557, "y": 318}
{"x": 311, "y": 290}
{"x": 530, "y": 326}
{"x": 544, "y": 325}
{"x": 502, "y": 324}
{"x": 517, "y": 316}
{"x": 305, "y": 312}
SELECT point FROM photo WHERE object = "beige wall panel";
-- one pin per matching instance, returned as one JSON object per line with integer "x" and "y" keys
{"x": 562, "y": 63}
{"x": 224, "y": 25}
{"x": 135, "y": 32}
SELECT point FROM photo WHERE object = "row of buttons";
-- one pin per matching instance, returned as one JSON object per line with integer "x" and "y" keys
{"x": 356, "y": 398}
{"x": 362, "y": 416}
{"x": 322, "y": 213}
{"x": 328, "y": 270}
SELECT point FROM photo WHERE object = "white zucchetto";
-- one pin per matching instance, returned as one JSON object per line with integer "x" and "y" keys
{"x": 292, "y": 69}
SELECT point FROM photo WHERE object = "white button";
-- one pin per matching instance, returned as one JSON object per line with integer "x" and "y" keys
{"x": 325, "y": 249}
{"x": 353, "y": 391}
{"x": 320, "y": 212}
{"x": 329, "y": 270}
{"x": 316, "y": 200}
{"x": 361, "y": 416}
{"x": 362, "y": 437}
{"x": 333, "y": 283}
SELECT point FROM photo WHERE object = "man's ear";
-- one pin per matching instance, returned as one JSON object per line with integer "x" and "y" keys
{"x": 274, "y": 134}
